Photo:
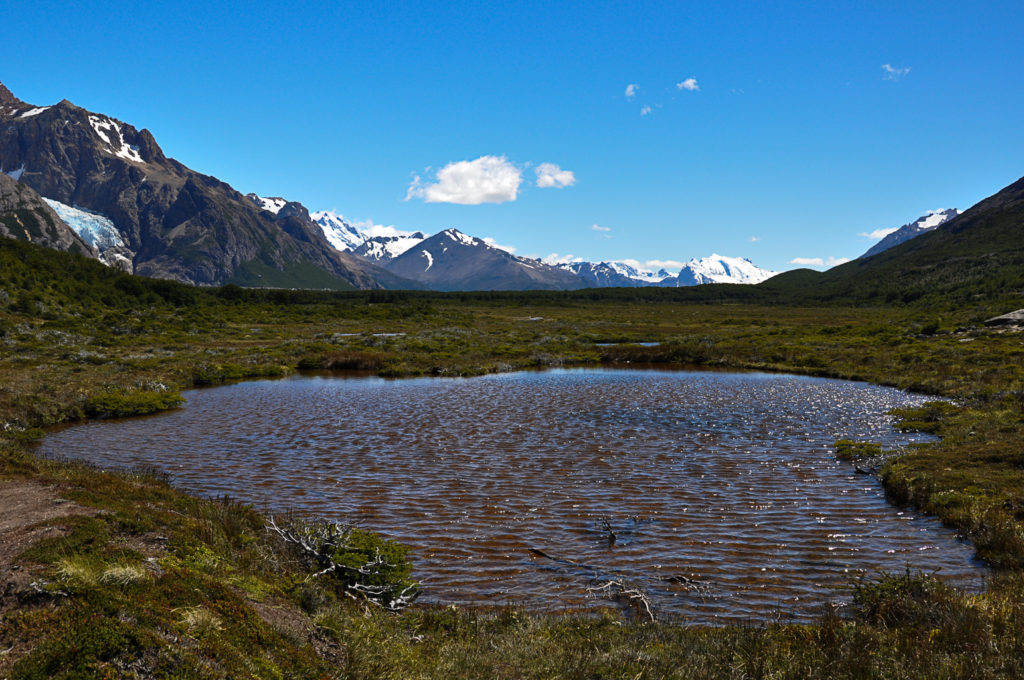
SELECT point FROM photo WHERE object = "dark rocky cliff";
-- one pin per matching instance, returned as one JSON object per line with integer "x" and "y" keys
{"x": 180, "y": 224}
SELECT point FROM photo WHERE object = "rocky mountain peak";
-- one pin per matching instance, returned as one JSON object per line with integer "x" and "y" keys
{"x": 7, "y": 98}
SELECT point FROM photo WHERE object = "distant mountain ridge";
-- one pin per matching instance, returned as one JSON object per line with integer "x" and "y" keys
{"x": 615, "y": 274}
{"x": 915, "y": 228}
{"x": 112, "y": 193}
{"x": 451, "y": 260}
{"x": 698, "y": 271}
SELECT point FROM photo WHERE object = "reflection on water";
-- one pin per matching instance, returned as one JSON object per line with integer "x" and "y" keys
{"x": 717, "y": 493}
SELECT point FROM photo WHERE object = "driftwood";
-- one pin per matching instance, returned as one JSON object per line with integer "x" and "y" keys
{"x": 621, "y": 591}
{"x": 613, "y": 587}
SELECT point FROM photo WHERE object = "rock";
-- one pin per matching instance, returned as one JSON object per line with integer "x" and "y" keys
{"x": 1012, "y": 320}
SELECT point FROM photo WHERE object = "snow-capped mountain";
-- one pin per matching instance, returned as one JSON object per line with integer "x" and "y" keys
{"x": 98, "y": 231}
{"x": 451, "y": 260}
{"x": 908, "y": 231}
{"x": 175, "y": 223}
{"x": 615, "y": 274}
{"x": 339, "y": 233}
{"x": 381, "y": 249}
{"x": 366, "y": 243}
{"x": 721, "y": 269}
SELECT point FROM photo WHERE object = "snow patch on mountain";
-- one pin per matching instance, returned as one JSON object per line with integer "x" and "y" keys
{"x": 270, "y": 204}
{"x": 106, "y": 128}
{"x": 633, "y": 271}
{"x": 459, "y": 237}
{"x": 15, "y": 174}
{"x": 936, "y": 217}
{"x": 33, "y": 112}
{"x": 98, "y": 231}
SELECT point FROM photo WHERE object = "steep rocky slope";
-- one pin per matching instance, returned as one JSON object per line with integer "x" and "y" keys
{"x": 180, "y": 224}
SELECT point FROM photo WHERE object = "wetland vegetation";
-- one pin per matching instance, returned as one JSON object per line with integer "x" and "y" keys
{"x": 145, "y": 581}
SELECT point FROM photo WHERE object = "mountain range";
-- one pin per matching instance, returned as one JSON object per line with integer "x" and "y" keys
{"x": 168, "y": 221}
{"x": 86, "y": 182}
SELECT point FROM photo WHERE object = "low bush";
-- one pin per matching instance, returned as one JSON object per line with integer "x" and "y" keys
{"x": 122, "y": 403}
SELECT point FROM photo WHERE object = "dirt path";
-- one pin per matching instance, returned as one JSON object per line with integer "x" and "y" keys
{"x": 26, "y": 509}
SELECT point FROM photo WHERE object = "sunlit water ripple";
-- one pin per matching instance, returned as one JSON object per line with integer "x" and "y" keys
{"x": 722, "y": 490}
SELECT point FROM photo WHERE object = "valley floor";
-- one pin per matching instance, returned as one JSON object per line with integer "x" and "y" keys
{"x": 116, "y": 574}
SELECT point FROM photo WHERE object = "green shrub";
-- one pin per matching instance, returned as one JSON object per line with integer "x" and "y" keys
{"x": 361, "y": 562}
{"x": 924, "y": 418}
{"x": 122, "y": 403}
{"x": 857, "y": 451}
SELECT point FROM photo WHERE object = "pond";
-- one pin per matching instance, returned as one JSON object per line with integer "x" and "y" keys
{"x": 717, "y": 493}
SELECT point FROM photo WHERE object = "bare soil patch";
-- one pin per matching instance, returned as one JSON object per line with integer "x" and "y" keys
{"x": 27, "y": 511}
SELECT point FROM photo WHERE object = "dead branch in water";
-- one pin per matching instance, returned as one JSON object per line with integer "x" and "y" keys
{"x": 619, "y": 590}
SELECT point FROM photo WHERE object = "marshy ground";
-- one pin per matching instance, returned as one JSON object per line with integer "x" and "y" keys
{"x": 128, "y": 577}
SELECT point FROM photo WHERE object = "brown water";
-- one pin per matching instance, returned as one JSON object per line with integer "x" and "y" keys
{"x": 722, "y": 490}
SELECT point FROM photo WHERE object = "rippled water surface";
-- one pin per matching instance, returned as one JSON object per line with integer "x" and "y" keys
{"x": 717, "y": 493}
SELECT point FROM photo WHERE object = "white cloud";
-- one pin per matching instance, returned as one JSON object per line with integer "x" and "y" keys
{"x": 369, "y": 229}
{"x": 877, "y": 233}
{"x": 645, "y": 110}
{"x": 755, "y": 239}
{"x": 600, "y": 228}
{"x": 893, "y": 72}
{"x": 488, "y": 179}
{"x": 819, "y": 262}
{"x": 550, "y": 175}
{"x": 631, "y": 90}
{"x": 556, "y": 259}
{"x": 688, "y": 84}
{"x": 494, "y": 244}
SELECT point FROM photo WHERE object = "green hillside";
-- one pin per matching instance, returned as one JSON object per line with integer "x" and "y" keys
{"x": 976, "y": 258}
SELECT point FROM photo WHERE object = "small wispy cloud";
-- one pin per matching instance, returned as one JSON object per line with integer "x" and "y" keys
{"x": 646, "y": 110}
{"x": 494, "y": 244}
{"x": 631, "y": 90}
{"x": 370, "y": 229}
{"x": 819, "y": 261}
{"x": 755, "y": 239}
{"x": 488, "y": 179}
{"x": 598, "y": 227}
{"x": 877, "y": 233}
{"x": 550, "y": 175}
{"x": 689, "y": 84}
{"x": 894, "y": 72}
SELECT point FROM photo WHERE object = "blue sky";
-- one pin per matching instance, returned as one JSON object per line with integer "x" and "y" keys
{"x": 773, "y": 131}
